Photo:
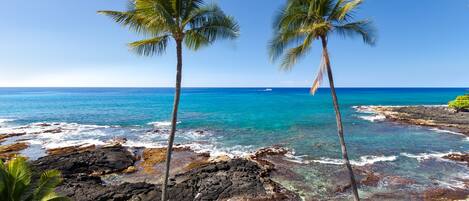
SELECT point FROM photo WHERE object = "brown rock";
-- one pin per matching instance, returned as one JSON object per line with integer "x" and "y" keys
{"x": 5, "y": 136}
{"x": 130, "y": 169}
{"x": 445, "y": 194}
{"x": 458, "y": 157}
{"x": 153, "y": 156}
{"x": 72, "y": 149}
{"x": 398, "y": 181}
{"x": 9, "y": 151}
{"x": 370, "y": 179}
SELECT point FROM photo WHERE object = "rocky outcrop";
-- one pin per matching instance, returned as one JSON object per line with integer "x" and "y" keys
{"x": 72, "y": 149}
{"x": 3, "y": 137}
{"x": 433, "y": 116}
{"x": 458, "y": 157}
{"x": 11, "y": 150}
{"x": 99, "y": 161}
{"x": 445, "y": 194}
{"x": 236, "y": 179}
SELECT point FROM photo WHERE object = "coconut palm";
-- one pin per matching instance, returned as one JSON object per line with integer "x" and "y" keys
{"x": 15, "y": 183}
{"x": 191, "y": 22}
{"x": 300, "y": 23}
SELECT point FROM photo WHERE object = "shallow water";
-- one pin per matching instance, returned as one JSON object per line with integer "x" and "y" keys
{"x": 237, "y": 121}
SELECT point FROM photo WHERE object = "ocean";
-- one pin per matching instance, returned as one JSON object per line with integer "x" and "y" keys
{"x": 237, "y": 121}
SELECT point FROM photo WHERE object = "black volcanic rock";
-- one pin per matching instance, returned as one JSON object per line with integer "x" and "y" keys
{"x": 99, "y": 161}
{"x": 233, "y": 179}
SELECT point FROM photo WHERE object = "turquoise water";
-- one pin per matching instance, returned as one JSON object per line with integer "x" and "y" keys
{"x": 236, "y": 121}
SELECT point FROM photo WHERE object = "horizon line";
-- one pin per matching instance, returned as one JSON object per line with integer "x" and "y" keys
{"x": 241, "y": 87}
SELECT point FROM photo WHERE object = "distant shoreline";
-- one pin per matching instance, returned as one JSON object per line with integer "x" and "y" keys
{"x": 437, "y": 116}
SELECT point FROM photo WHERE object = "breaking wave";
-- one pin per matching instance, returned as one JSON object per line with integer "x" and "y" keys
{"x": 364, "y": 160}
{"x": 426, "y": 156}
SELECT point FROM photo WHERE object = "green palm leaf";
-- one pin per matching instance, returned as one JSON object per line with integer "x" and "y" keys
{"x": 19, "y": 177}
{"x": 152, "y": 46}
{"x": 47, "y": 183}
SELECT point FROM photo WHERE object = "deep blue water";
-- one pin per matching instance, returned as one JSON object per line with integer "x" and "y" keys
{"x": 236, "y": 120}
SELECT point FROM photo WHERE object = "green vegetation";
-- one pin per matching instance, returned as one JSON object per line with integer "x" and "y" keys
{"x": 16, "y": 185}
{"x": 299, "y": 24}
{"x": 460, "y": 104}
{"x": 191, "y": 22}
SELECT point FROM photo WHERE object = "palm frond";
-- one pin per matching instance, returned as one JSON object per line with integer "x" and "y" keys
{"x": 195, "y": 40}
{"x": 208, "y": 24}
{"x": 293, "y": 54}
{"x": 153, "y": 46}
{"x": 347, "y": 10}
{"x": 363, "y": 28}
{"x": 282, "y": 41}
{"x": 4, "y": 180}
{"x": 47, "y": 183}
{"x": 54, "y": 197}
{"x": 159, "y": 15}
{"x": 129, "y": 19}
{"x": 20, "y": 176}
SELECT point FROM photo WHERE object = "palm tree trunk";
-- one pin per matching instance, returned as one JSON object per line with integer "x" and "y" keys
{"x": 338, "y": 117}
{"x": 177, "y": 95}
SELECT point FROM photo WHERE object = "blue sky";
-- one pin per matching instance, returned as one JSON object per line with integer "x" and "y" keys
{"x": 422, "y": 43}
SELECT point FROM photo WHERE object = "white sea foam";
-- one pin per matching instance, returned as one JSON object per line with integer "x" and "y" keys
{"x": 146, "y": 144}
{"x": 446, "y": 131}
{"x": 368, "y": 110}
{"x": 68, "y": 143}
{"x": 373, "y": 118}
{"x": 426, "y": 156}
{"x": 162, "y": 124}
{"x": 6, "y": 120}
{"x": 364, "y": 160}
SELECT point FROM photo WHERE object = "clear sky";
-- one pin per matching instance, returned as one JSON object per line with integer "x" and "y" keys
{"x": 422, "y": 43}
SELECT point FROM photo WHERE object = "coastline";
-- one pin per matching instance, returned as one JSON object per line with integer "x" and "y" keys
{"x": 116, "y": 172}
{"x": 435, "y": 116}
{"x": 276, "y": 167}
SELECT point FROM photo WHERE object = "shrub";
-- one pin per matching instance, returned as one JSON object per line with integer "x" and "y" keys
{"x": 460, "y": 104}
{"x": 16, "y": 184}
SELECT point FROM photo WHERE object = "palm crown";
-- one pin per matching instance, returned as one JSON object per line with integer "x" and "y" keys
{"x": 16, "y": 185}
{"x": 189, "y": 21}
{"x": 303, "y": 21}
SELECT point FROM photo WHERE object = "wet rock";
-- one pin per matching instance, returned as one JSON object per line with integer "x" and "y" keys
{"x": 71, "y": 149}
{"x": 445, "y": 194}
{"x": 53, "y": 130}
{"x": 11, "y": 150}
{"x": 397, "y": 181}
{"x": 237, "y": 179}
{"x": 116, "y": 141}
{"x": 433, "y": 116}
{"x": 458, "y": 157}
{"x": 266, "y": 156}
{"x": 271, "y": 151}
{"x": 43, "y": 124}
{"x": 98, "y": 161}
{"x": 3, "y": 137}
{"x": 153, "y": 156}
{"x": 370, "y": 179}
{"x": 130, "y": 169}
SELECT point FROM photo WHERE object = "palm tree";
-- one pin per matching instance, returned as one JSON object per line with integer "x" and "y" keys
{"x": 15, "y": 183}
{"x": 191, "y": 22}
{"x": 300, "y": 23}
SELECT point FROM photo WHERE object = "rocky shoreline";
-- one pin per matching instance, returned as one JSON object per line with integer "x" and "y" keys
{"x": 440, "y": 117}
{"x": 117, "y": 172}
{"x": 85, "y": 175}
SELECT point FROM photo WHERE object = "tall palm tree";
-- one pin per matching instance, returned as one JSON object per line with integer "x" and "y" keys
{"x": 192, "y": 22}
{"x": 16, "y": 185}
{"x": 300, "y": 23}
